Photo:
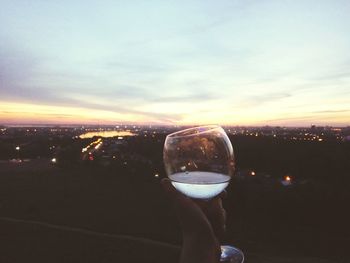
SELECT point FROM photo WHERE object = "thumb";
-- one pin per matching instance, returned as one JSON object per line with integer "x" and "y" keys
{"x": 191, "y": 216}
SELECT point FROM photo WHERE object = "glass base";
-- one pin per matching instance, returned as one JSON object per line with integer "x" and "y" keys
{"x": 231, "y": 254}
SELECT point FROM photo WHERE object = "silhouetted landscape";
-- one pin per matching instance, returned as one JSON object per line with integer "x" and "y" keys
{"x": 287, "y": 202}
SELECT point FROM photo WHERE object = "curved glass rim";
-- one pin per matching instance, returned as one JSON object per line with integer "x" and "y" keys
{"x": 207, "y": 128}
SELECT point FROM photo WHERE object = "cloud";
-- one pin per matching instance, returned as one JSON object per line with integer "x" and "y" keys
{"x": 23, "y": 113}
{"x": 17, "y": 70}
{"x": 23, "y": 78}
{"x": 259, "y": 99}
{"x": 305, "y": 120}
{"x": 339, "y": 72}
{"x": 15, "y": 66}
{"x": 333, "y": 76}
{"x": 196, "y": 97}
{"x": 120, "y": 92}
{"x": 137, "y": 67}
{"x": 326, "y": 117}
{"x": 51, "y": 97}
{"x": 331, "y": 111}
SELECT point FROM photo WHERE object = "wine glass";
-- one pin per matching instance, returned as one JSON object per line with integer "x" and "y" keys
{"x": 200, "y": 162}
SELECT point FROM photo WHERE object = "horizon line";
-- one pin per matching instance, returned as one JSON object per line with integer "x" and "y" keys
{"x": 160, "y": 124}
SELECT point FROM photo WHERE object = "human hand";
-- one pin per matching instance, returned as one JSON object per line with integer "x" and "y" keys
{"x": 203, "y": 224}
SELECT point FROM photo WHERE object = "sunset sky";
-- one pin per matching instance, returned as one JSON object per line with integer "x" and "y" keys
{"x": 233, "y": 62}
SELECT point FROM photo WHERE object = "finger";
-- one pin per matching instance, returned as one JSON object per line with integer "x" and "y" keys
{"x": 216, "y": 215}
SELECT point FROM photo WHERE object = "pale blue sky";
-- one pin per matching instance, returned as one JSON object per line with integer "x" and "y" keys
{"x": 226, "y": 62}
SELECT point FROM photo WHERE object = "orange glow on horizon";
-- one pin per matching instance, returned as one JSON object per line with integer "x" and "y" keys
{"x": 25, "y": 113}
{"x": 17, "y": 113}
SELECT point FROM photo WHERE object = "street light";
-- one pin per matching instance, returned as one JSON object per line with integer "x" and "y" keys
{"x": 18, "y": 153}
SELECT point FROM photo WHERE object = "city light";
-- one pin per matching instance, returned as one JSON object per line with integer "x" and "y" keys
{"x": 106, "y": 134}
{"x": 286, "y": 181}
{"x": 54, "y": 160}
{"x": 17, "y": 148}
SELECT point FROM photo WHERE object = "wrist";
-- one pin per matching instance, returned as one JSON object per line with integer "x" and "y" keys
{"x": 202, "y": 240}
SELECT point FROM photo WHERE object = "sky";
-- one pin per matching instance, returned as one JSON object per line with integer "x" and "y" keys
{"x": 235, "y": 62}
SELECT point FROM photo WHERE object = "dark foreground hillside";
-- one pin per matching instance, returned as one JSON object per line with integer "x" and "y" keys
{"x": 113, "y": 210}
{"x": 94, "y": 214}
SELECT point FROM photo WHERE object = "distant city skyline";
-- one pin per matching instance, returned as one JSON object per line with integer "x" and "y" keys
{"x": 277, "y": 63}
